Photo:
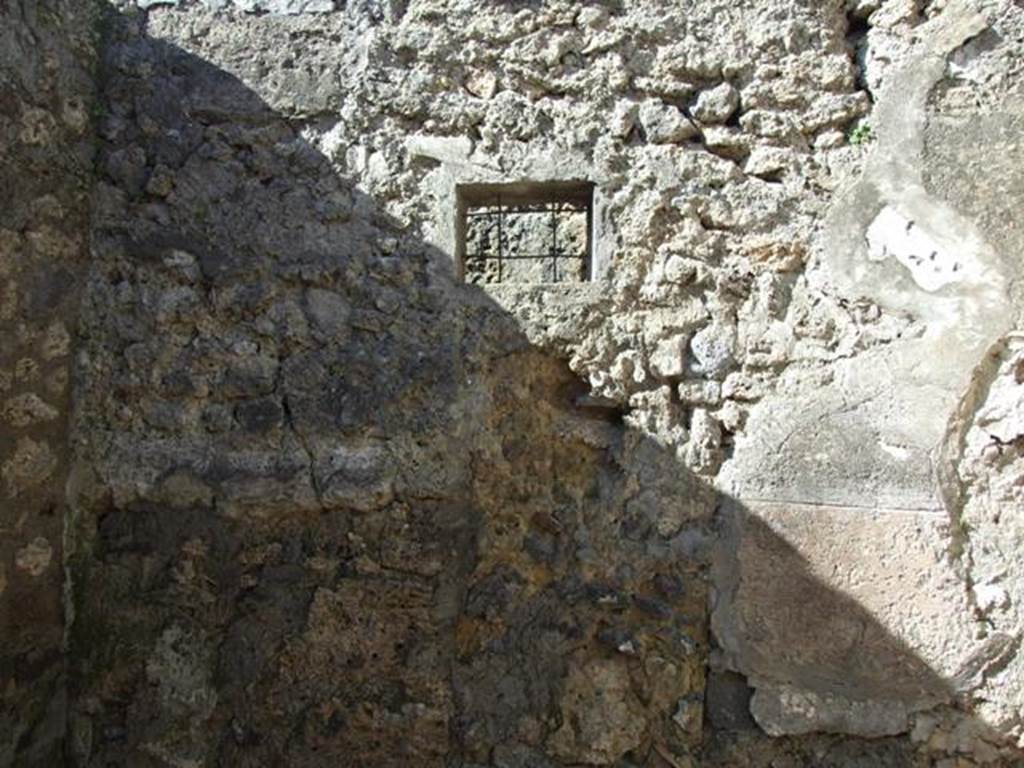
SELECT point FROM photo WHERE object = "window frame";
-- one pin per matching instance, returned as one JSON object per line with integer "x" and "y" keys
{"x": 522, "y": 193}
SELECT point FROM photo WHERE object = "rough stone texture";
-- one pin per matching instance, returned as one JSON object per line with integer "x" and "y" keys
{"x": 747, "y": 498}
{"x": 46, "y": 86}
{"x": 878, "y": 443}
{"x": 315, "y": 472}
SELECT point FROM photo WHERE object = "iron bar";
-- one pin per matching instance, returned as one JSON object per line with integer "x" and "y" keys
{"x": 491, "y": 215}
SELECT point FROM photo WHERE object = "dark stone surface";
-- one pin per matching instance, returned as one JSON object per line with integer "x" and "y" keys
{"x": 46, "y": 149}
{"x": 727, "y": 701}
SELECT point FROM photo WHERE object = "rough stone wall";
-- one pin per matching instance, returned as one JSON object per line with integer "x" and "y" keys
{"x": 46, "y": 86}
{"x": 747, "y": 498}
{"x": 308, "y": 450}
{"x": 332, "y": 505}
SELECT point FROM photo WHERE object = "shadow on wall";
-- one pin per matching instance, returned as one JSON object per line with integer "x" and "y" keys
{"x": 332, "y": 508}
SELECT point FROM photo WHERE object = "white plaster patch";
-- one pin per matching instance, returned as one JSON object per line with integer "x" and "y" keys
{"x": 896, "y": 451}
{"x": 990, "y": 596}
{"x": 931, "y": 264}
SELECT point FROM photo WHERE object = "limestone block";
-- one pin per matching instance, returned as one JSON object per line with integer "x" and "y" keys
{"x": 784, "y": 710}
{"x": 727, "y": 141}
{"x": 712, "y": 349}
{"x": 768, "y": 161}
{"x": 716, "y": 105}
{"x": 34, "y": 558}
{"x": 329, "y": 313}
{"x": 282, "y": 7}
{"x": 667, "y": 359}
{"x": 26, "y": 409}
{"x": 361, "y": 477}
{"x": 448, "y": 149}
{"x": 664, "y": 124}
{"x": 32, "y": 463}
{"x": 602, "y": 718}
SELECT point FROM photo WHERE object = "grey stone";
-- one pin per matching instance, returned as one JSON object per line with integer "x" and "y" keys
{"x": 781, "y": 710}
{"x": 329, "y": 313}
{"x": 285, "y": 7}
{"x": 452, "y": 149}
{"x": 727, "y": 701}
{"x": 716, "y": 105}
{"x": 712, "y": 350}
{"x": 601, "y": 718}
{"x": 667, "y": 360}
{"x": 519, "y": 756}
{"x": 260, "y": 415}
{"x": 665, "y": 124}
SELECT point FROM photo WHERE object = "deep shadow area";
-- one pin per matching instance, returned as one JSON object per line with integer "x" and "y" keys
{"x": 334, "y": 509}
{"x": 45, "y": 171}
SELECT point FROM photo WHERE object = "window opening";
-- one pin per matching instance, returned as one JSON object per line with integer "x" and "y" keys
{"x": 526, "y": 233}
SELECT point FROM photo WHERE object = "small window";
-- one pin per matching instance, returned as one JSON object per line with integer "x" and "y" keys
{"x": 525, "y": 233}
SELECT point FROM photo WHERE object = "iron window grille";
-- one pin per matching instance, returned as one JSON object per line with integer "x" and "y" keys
{"x": 525, "y": 233}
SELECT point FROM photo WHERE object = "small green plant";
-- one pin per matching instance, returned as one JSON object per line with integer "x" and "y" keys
{"x": 861, "y": 134}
